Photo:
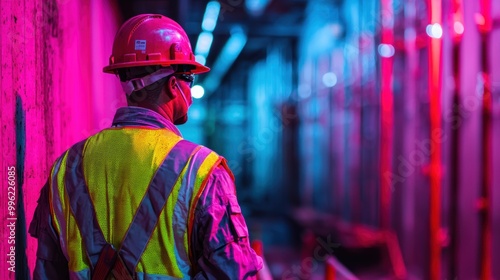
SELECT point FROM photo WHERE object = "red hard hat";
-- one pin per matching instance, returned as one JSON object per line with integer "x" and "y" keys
{"x": 150, "y": 39}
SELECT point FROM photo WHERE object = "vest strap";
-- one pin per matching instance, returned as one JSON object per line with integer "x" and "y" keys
{"x": 81, "y": 205}
{"x": 106, "y": 262}
{"x": 146, "y": 217}
{"x": 120, "y": 271}
{"x": 102, "y": 256}
{"x": 111, "y": 261}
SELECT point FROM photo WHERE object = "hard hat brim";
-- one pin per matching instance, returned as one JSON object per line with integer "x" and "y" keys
{"x": 199, "y": 68}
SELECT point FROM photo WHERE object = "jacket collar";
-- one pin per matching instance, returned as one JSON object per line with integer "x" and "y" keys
{"x": 138, "y": 116}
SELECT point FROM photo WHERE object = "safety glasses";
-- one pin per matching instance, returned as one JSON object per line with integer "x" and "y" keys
{"x": 189, "y": 78}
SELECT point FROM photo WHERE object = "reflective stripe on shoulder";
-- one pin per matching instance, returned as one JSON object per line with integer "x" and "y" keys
{"x": 56, "y": 204}
{"x": 209, "y": 164}
{"x": 182, "y": 207}
{"x": 81, "y": 204}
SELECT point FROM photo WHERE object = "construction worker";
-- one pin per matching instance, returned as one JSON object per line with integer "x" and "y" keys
{"x": 136, "y": 200}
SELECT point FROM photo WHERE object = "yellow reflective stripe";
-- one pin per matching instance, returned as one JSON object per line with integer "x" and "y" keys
{"x": 70, "y": 235}
{"x": 76, "y": 249}
{"x": 53, "y": 174}
{"x": 180, "y": 213}
{"x": 66, "y": 226}
{"x": 56, "y": 209}
{"x": 208, "y": 165}
{"x": 162, "y": 258}
{"x": 182, "y": 208}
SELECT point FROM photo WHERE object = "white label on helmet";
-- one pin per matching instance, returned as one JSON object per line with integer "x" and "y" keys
{"x": 140, "y": 45}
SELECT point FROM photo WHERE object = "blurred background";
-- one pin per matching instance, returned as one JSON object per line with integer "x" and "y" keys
{"x": 363, "y": 134}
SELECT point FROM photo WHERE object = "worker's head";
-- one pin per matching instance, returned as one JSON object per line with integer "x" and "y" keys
{"x": 163, "y": 89}
{"x": 153, "y": 57}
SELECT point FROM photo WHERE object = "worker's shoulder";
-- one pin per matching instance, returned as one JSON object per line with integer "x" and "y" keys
{"x": 198, "y": 148}
{"x": 220, "y": 169}
{"x": 220, "y": 166}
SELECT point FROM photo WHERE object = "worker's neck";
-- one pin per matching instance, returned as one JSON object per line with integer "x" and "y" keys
{"x": 164, "y": 110}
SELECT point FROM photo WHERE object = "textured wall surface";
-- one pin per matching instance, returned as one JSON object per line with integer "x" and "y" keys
{"x": 53, "y": 93}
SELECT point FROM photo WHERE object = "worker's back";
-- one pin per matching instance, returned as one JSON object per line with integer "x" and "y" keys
{"x": 118, "y": 165}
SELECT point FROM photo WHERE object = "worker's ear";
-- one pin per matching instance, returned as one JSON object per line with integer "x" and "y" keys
{"x": 172, "y": 89}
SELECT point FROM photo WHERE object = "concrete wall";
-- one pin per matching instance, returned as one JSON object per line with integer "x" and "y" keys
{"x": 53, "y": 94}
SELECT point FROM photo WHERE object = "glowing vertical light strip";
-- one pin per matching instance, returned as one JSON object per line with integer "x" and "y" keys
{"x": 227, "y": 56}
{"x": 205, "y": 39}
{"x": 485, "y": 26}
{"x": 386, "y": 114}
{"x": 435, "y": 46}
{"x": 204, "y": 43}
{"x": 210, "y": 18}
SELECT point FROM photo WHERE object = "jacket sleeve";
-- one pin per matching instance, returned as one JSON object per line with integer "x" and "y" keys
{"x": 220, "y": 241}
{"x": 50, "y": 261}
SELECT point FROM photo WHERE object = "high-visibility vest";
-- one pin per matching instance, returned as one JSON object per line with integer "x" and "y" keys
{"x": 98, "y": 185}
